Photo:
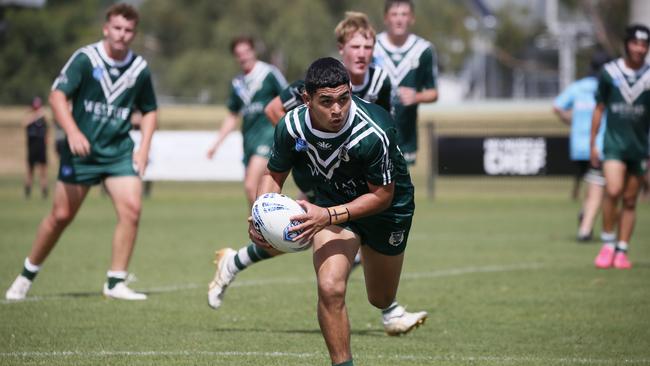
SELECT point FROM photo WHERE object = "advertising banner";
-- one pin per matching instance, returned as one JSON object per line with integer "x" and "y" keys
{"x": 503, "y": 155}
{"x": 181, "y": 156}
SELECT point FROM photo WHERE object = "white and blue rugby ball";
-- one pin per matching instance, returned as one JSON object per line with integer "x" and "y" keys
{"x": 271, "y": 214}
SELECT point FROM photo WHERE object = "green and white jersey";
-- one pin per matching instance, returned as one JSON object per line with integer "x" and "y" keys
{"x": 341, "y": 164}
{"x": 412, "y": 65}
{"x": 103, "y": 93}
{"x": 249, "y": 95}
{"x": 376, "y": 88}
{"x": 291, "y": 96}
{"x": 626, "y": 96}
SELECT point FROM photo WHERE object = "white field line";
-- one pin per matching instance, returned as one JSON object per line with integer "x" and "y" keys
{"x": 310, "y": 279}
{"x": 291, "y": 355}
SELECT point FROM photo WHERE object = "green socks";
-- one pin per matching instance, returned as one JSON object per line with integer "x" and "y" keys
{"x": 30, "y": 270}
{"x": 115, "y": 277}
{"x": 346, "y": 363}
{"x": 248, "y": 255}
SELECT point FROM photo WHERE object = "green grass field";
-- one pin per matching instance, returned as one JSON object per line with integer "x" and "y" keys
{"x": 493, "y": 261}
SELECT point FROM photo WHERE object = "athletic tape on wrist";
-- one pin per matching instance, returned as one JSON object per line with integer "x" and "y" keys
{"x": 338, "y": 214}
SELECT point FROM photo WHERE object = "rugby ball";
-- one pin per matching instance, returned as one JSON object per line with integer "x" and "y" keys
{"x": 271, "y": 215}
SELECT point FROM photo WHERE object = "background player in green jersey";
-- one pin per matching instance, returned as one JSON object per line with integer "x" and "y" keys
{"x": 104, "y": 82}
{"x": 364, "y": 199}
{"x": 250, "y": 92}
{"x": 412, "y": 66}
{"x": 355, "y": 38}
{"x": 624, "y": 94}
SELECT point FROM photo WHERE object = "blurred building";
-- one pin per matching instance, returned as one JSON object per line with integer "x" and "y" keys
{"x": 25, "y": 3}
{"x": 545, "y": 65}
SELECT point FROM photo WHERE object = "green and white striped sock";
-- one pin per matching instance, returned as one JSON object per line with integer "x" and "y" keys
{"x": 246, "y": 256}
{"x": 30, "y": 270}
{"x": 346, "y": 363}
{"x": 389, "y": 309}
{"x": 115, "y": 277}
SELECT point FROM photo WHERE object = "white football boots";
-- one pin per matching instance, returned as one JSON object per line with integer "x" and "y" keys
{"x": 222, "y": 277}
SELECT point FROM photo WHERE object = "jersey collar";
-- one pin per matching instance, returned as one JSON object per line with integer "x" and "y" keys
{"x": 366, "y": 79}
{"x": 388, "y": 46}
{"x": 110, "y": 61}
{"x": 628, "y": 71}
{"x": 330, "y": 135}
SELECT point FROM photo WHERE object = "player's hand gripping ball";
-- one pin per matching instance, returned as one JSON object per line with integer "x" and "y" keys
{"x": 271, "y": 214}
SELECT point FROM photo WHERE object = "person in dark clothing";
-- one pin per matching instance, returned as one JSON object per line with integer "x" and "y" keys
{"x": 35, "y": 125}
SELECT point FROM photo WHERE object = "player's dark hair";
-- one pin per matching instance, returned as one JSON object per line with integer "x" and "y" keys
{"x": 241, "y": 39}
{"x": 635, "y": 32}
{"x": 125, "y": 10}
{"x": 389, "y": 4}
{"x": 598, "y": 60}
{"x": 326, "y": 72}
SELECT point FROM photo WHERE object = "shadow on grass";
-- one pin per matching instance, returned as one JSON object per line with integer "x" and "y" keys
{"x": 364, "y": 332}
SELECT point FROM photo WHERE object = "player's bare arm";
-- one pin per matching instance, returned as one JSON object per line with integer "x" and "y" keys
{"x": 409, "y": 96}
{"x": 229, "y": 124}
{"x": 274, "y": 110}
{"x": 595, "y": 126}
{"x": 78, "y": 143}
{"x": 565, "y": 116}
{"x": 317, "y": 218}
{"x": 147, "y": 127}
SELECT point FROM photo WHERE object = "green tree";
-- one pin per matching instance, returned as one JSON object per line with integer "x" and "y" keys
{"x": 190, "y": 41}
{"x": 36, "y": 43}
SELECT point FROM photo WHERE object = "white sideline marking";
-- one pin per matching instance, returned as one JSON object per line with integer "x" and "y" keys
{"x": 293, "y": 281}
{"x": 499, "y": 359}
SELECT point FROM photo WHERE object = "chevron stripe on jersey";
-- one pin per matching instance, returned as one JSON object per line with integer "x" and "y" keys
{"x": 372, "y": 83}
{"x": 630, "y": 89}
{"x": 398, "y": 61}
{"x": 386, "y": 162}
{"x": 247, "y": 85}
{"x": 99, "y": 60}
{"x": 362, "y": 127}
{"x": 291, "y": 96}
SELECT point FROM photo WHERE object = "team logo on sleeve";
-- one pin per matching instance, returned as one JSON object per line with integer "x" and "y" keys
{"x": 62, "y": 79}
{"x": 396, "y": 238}
{"x": 263, "y": 150}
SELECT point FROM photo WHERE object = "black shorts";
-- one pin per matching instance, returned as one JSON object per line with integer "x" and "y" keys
{"x": 36, "y": 152}
{"x": 581, "y": 168}
{"x": 60, "y": 144}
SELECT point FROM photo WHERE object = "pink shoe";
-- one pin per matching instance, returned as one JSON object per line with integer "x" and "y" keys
{"x": 605, "y": 257}
{"x": 621, "y": 261}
